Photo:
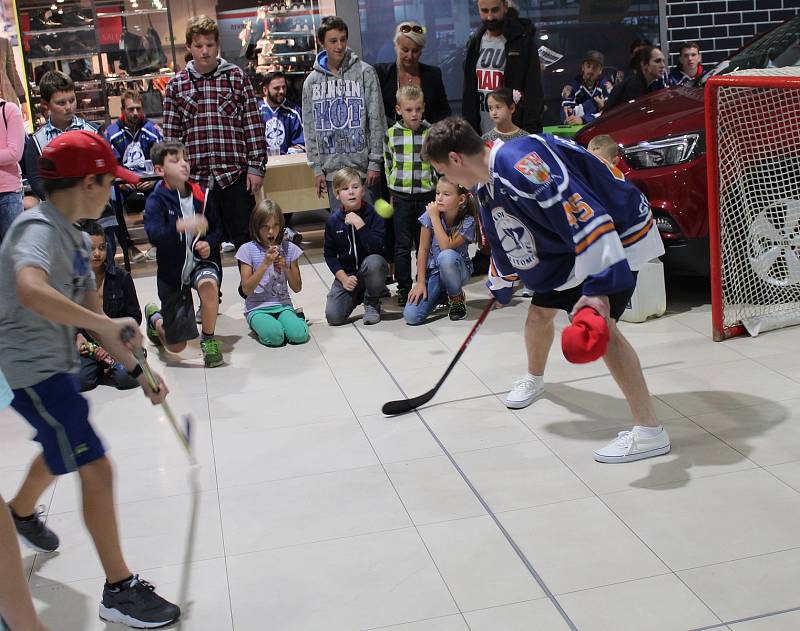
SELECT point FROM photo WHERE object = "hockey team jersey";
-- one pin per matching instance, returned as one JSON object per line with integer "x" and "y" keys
{"x": 557, "y": 216}
{"x": 578, "y": 98}
{"x": 283, "y": 126}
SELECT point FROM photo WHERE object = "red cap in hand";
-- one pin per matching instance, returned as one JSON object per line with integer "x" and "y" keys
{"x": 586, "y": 339}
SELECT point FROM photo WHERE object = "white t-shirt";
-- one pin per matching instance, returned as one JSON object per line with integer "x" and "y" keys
{"x": 490, "y": 71}
{"x": 187, "y": 209}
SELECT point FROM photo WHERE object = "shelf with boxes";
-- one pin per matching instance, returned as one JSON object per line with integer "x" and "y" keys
{"x": 288, "y": 42}
{"x": 103, "y": 46}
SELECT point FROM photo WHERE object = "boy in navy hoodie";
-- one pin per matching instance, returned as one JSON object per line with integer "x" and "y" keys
{"x": 187, "y": 234}
{"x": 353, "y": 250}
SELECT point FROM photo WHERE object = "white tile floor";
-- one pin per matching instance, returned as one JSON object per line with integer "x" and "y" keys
{"x": 318, "y": 514}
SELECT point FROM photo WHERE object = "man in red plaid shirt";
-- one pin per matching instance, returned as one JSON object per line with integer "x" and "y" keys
{"x": 211, "y": 108}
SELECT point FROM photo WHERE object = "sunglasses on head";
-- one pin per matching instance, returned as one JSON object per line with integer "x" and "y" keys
{"x": 411, "y": 28}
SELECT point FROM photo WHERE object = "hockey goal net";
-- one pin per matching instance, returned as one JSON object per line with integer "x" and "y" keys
{"x": 753, "y": 148}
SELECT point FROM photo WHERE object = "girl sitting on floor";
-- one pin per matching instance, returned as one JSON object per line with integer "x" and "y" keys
{"x": 269, "y": 268}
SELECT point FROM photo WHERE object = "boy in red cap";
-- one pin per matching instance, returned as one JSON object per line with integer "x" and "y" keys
{"x": 574, "y": 231}
{"x": 47, "y": 290}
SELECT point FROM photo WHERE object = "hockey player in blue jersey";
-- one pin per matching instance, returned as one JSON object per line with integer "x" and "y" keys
{"x": 570, "y": 227}
{"x": 283, "y": 123}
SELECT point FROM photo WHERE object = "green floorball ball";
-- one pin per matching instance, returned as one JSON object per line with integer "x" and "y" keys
{"x": 384, "y": 208}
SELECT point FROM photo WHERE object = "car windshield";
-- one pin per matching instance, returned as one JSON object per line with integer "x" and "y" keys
{"x": 779, "y": 48}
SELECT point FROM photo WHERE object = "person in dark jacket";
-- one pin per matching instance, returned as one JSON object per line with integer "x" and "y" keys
{"x": 119, "y": 300}
{"x": 503, "y": 52}
{"x": 689, "y": 70}
{"x": 187, "y": 233}
{"x": 409, "y": 42}
{"x": 353, "y": 250}
{"x": 648, "y": 76}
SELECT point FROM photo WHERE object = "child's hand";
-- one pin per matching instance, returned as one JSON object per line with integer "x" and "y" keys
{"x": 279, "y": 263}
{"x": 273, "y": 252}
{"x": 417, "y": 293}
{"x": 196, "y": 225}
{"x": 433, "y": 210}
{"x": 354, "y": 219}
{"x": 351, "y": 283}
{"x": 203, "y": 249}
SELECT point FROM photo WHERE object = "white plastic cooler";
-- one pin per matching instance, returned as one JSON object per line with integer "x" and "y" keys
{"x": 650, "y": 297}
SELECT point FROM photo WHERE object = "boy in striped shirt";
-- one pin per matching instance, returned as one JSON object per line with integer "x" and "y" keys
{"x": 411, "y": 180}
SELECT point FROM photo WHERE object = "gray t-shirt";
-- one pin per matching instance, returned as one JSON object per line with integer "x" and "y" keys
{"x": 490, "y": 70}
{"x": 31, "y": 347}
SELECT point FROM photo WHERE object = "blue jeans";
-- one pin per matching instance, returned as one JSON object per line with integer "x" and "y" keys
{"x": 451, "y": 275}
{"x": 10, "y": 209}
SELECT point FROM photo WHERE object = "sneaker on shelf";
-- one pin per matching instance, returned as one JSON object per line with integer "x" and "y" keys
{"x": 212, "y": 356}
{"x": 457, "y": 308}
{"x": 524, "y": 392}
{"x": 402, "y": 296}
{"x": 135, "y": 255}
{"x": 137, "y": 605}
{"x": 34, "y": 533}
{"x": 372, "y": 314}
{"x": 227, "y": 246}
{"x": 150, "y": 309}
{"x": 633, "y": 445}
{"x": 151, "y": 254}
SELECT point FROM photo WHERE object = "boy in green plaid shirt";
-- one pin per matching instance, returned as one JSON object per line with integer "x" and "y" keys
{"x": 412, "y": 182}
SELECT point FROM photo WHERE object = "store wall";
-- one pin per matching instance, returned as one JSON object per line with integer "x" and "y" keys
{"x": 722, "y": 26}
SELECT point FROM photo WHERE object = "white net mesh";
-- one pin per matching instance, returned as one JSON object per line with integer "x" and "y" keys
{"x": 758, "y": 158}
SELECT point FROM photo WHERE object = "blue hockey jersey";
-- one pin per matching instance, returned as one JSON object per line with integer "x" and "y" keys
{"x": 557, "y": 216}
{"x": 578, "y": 98}
{"x": 283, "y": 126}
{"x": 133, "y": 149}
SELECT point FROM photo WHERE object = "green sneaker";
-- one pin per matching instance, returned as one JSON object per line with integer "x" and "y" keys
{"x": 457, "y": 309}
{"x": 212, "y": 356}
{"x": 150, "y": 309}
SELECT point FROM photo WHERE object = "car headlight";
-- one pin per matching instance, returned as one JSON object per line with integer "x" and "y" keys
{"x": 664, "y": 152}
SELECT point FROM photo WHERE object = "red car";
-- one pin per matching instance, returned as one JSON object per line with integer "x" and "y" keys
{"x": 662, "y": 140}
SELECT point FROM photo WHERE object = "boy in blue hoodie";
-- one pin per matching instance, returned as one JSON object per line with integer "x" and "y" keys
{"x": 186, "y": 232}
{"x": 353, "y": 250}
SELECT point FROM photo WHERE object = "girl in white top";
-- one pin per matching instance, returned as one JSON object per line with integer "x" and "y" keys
{"x": 269, "y": 268}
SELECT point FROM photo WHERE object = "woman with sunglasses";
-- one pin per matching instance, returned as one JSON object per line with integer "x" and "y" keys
{"x": 409, "y": 40}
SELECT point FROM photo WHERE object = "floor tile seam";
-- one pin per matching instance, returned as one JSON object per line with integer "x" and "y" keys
{"x": 302, "y": 476}
{"x": 666, "y": 485}
{"x": 514, "y": 545}
{"x": 737, "y": 559}
{"x": 391, "y": 482}
{"x": 219, "y": 503}
{"x": 389, "y": 627}
{"x": 329, "y": 421}
{"x": 747, "y": 619}
{"x": 139, "y": 570}
{"x": 760, "y": 362}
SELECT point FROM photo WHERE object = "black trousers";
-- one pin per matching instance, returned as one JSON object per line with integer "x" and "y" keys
{"x": 234, "y": 206}
{"x": 407, "y": 210}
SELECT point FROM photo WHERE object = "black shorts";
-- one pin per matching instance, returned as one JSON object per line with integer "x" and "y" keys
{"x": 566, "y": 300}
{"x": 177, "y": 307}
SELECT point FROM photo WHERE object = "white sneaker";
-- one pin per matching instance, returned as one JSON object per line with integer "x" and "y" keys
{"x": 227, "y": 246}
{"x": 631, "y": 445}
{"x": 527, "y": 293}
{"x": 151, "y": 254}
{"x": 524, "y": 392}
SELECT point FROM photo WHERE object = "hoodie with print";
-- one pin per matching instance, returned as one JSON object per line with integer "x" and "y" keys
{"x": 343, "y": 119}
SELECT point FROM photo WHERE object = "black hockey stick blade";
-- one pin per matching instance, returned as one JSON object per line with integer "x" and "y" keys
{"x": 403, "y": 406}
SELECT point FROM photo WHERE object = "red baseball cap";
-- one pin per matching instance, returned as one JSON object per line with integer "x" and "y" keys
{"x": 586, "y": 339}
{"x": 79, "y": 153}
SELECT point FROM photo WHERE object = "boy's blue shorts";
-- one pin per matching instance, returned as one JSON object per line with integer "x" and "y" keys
{"x": 60, "y": 416}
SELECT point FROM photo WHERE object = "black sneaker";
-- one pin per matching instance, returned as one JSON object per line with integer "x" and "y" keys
{"x": 457, "y": 310}
{"x": 137, "y": 605}
{"x": 402, "y": 296}
{"x": 34, "y": 533}
{"x": 480, "y": 264}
